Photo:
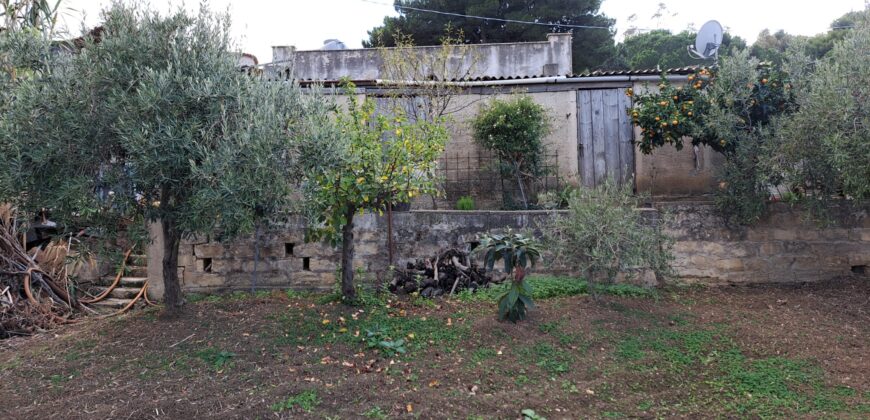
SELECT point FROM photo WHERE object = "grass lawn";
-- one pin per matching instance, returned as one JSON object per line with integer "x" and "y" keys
{"x": 783, "y": 352}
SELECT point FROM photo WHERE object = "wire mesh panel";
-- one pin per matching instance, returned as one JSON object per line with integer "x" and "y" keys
{"x": 491, "y": 183}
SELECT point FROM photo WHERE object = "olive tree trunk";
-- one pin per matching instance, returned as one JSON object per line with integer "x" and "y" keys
{"x": 171, "y": 286}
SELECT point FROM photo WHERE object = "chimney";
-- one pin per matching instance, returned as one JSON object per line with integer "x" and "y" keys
{"x": 560, "y": 60}
{"x": 283, "y": 53}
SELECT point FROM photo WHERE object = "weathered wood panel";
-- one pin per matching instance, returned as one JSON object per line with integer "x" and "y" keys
{"x": 586, "y": 152}
{"x": 626, "y": 140}
{"x": 605, "y": 136}
{"x": 599, "y": 136}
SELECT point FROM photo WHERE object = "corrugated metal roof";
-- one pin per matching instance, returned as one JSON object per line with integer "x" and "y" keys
{"x": 598, "y": 73}
{"x": 640, "y": 72}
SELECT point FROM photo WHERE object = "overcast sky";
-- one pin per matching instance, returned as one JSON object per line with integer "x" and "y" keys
{"x": 260, "y": 24}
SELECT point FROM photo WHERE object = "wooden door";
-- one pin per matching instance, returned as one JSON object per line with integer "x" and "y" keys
{"x": 605, "y": 136}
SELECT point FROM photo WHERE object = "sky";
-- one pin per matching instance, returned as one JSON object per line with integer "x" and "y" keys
{"x": 260, "y": 24}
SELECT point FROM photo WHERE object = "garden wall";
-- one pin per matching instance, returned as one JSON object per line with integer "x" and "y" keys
{"x": 783, "y": 247}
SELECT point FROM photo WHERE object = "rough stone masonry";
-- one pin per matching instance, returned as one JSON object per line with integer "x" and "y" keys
{"x": 784, "y": 247}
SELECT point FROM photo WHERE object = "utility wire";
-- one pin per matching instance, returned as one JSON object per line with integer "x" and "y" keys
{"x": 525, "y": 22}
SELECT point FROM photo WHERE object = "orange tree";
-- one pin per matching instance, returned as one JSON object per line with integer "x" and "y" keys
{"x": 730, "y": 108}
{"x": 674, "y": 112}
{"x": 368, "y": 161}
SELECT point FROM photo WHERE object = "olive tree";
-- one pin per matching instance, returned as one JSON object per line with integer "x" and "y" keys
{"x": 154, "y": 123}
{"x": 821, "y": 150}
{"x": 603, "y": 234}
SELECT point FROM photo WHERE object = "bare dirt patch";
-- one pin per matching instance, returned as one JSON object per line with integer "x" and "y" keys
{"x": 734, "y": 352}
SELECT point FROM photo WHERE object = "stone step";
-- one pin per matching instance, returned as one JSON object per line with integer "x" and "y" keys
{"x": 124, "y": 292}
{"x": 126, "y": 281}
{"x": 138, "y": 259}
{"x": 111, "y": 303}
{"x": 136, "y": 271}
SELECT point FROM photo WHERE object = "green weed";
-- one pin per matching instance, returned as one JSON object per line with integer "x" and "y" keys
{"x": 552, "y": 360}
{"x": 482, "y": 354}
{"x": 306, "y": 401}
{"x": 217, "y": 359}
{"x": 548, "y": 287}
{"x": 376, "y": 413}
{"x": 418, "y": 332}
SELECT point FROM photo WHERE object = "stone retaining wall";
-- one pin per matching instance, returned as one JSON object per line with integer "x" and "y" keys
{"x": 783, "y": 247}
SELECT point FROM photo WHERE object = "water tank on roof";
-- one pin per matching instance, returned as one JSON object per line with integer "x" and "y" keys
{"x": 333, "y": 44}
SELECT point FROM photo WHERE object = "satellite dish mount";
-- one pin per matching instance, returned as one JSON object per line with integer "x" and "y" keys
{"x": 707, "y": 42}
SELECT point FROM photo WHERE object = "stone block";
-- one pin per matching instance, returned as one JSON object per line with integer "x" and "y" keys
{"x": 770, "y": 248}
{"x": 729, "y": 264}
{"x": 210, "y": 250}
{"x": 194, "y": 279}
{"x": 834, "y": 234}
{"x": 274, "y": 250}
{"x": 289, "y": 265}
{"x": 686, "y": 247}
{"x": 784, "y": 234}
{"x": 226, "y": 265}
{"x": 323, "y": 264}
{"x": 796, "y": 247}
{"x": 712, "y": 248}
{"x": 367, "y": 249}
{"x": 700, "y": 260}
{"x": 314, "y": 249}
{"x": 758, "y": 233}
{"x": 186, "y": 258}
{"x": 808, "y": 234}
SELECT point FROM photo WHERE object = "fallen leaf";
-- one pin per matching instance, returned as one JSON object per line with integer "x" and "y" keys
{"x": 347, "y": 364}
{"x": 433, "y": 383}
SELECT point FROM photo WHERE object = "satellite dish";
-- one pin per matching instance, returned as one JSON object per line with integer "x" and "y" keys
{"x": 707, "y": 41}
{"x": 333, "y": 44}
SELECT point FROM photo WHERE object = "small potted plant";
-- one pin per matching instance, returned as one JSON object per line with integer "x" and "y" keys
{"x": 518, "y": 252}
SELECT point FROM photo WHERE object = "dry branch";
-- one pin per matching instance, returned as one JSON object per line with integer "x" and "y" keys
{"x": 443, "y": 274}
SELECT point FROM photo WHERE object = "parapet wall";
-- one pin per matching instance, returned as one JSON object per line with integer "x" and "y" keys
{"x": 519, "y": 59}
{"x": 783, "y": 248}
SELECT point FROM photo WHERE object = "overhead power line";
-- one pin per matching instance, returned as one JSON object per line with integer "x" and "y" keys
{"x": 524, "y": 22}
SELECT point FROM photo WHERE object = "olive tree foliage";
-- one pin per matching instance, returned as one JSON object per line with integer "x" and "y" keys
{"x": 743, "y": 101}
{"x": 603, "y": 233}
{"x": 27, "y": 26}
{"x": 822, "y": 149}
{"x": 154, "y": 122}
{"x": 39, "y": 15}
{"x": 364, "y": 160}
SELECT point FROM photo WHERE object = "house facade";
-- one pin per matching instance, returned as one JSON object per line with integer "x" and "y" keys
{"x": 591, "y": 136}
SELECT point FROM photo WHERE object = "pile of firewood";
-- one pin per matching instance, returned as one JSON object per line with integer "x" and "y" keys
{"x": 32, "y": 298}
{"x": 36, "y": 291}
{"x": 449, "y": 272}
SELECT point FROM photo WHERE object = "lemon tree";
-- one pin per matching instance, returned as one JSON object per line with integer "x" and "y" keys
{"x": 375, "y": 159}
